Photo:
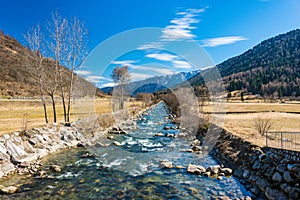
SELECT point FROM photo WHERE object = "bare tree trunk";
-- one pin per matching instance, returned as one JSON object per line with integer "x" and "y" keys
{"x": 64, "y": 104}
{"x": 70, "y": 96}
{"x": 62, "y": 93}
{"x": 54, "y": 107}
{"x": 43, "y": 102}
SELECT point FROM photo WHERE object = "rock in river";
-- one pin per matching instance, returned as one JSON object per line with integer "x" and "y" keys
{"x": 195, "y": 169}
{"x": 166, "y": 164}
{"x": 55, "y": 168}
{"x": 117, "y": 143}
{"x": 8, "y": 190}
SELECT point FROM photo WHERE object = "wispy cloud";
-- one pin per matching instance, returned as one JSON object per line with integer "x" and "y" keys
{"x": 213, "y": 42}
{"x": 161, "y": 71}
{"x": 96, "y": 79}
{"x": 180, "y": 64}
{"x": 161, "y": 56}
{"x": 151, "y": 45}
{"x": 110, "y": 84}
{"x": 124, "y": 62}
{"x": 82, "y": 72}
{"x": 139, "y": 76}
{"x": 181, "y": 26}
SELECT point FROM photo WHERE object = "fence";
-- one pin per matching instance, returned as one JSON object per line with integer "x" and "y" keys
{"x": 283, "y": 140}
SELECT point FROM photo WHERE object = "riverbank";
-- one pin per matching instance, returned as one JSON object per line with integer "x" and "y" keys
{"x": 21, "y": 152}
{"x": 268, "y": 173}
{"x": 132, "y": 166}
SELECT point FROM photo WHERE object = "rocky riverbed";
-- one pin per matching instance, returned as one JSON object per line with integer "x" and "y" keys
{"x": 130, "y": 162}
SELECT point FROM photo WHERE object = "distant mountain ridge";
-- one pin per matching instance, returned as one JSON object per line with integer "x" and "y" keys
{"x": 157, "y": 83}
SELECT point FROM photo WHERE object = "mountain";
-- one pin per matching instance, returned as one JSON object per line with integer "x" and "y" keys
{"x": 157, "y": 83}
{"x": 17, "y": 77}
{"x": 272, "y": 68}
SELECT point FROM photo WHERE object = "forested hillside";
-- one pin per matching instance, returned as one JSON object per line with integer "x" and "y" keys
{"x": 272, "y": 68}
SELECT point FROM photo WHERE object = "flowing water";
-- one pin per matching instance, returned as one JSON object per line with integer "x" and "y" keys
{"x": 129, "y": 171}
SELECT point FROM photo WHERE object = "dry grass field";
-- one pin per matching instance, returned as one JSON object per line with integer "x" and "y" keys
{"x": 12, "y": 112}
{"x": 240, "y": 118}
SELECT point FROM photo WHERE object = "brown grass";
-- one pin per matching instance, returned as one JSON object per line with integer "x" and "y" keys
{"x": 12, "y": 112}
{"x": 241, "y": 123}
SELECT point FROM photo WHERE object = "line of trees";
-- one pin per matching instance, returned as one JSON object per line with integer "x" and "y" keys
{"x": 60, "y": 44}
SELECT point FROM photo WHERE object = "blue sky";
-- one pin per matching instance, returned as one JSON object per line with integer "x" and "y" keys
{"x": 223, "y": 28}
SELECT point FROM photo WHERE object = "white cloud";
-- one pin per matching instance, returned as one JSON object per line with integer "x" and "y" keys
{"x": 139, "y": 76}
{"x": 110, "y": 84}
{"x": 82, "y": 72}
{"x": 213, "y": 42}
{"x": 161, "y": 71}
{"x": 161, "y": 56}
{"x": 96, "y": 79}
{"x": 124, "y": 62}
{"x": 151, "y": 45}
{"x": 180, "y": 27}
{"x": 180, "y": 64}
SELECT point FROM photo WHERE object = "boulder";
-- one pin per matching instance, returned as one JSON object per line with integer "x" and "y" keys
{"x": 287, "y": 177}
{"x": 28, "y": 147}
{"x": 166, "y": 164}
{"x": 8, "y": 190}
{"x": 186, "y": 150}
{"x": 246, "y": 174}
{"x": 294, "y": 167}
{"x": 196, "y": 142}
{"x": 294, "y": 193}
{"x": 257, "y": 165}
{"x": 1, "y": 173}
{"x": 273, "y": 194}
{"x": 7, "y": 167}
{"x": 262, "y": 184}
{"x": 208, "y": 174}
{"x": 277, "y": 177}
{"x": 197, "y": 148}
{"x": 195, "y": 169}
{"x": 281, "y": 167}
{"x": 214, "y": 169}
{"x": 223, "y": 198}
{"x": 15, "y": 151}
{"x": 226, "y": 171}
{"x": 116, "y": 143}
{"x": 3, "y": 149}
{"x": 55, "y": 168}
{"x": 159, "y": 134}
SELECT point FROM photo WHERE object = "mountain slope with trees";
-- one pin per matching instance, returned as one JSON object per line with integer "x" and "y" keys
{"x": 272, "y": 68}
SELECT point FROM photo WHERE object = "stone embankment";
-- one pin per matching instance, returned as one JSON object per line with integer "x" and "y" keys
{"x": 21, "y": 152}
{"x": 267, "y": 172}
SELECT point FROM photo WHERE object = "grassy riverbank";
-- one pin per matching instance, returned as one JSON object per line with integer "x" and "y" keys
{"x": 12, "y": 112}
{"x": 240, "y": 118}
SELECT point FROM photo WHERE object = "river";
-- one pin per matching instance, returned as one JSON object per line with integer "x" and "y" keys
{"x": 129, "y": 171}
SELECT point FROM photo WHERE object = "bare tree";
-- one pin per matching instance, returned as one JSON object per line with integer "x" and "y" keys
{"x": 76, "y": 53}
{"x": 262, "y": 124}
{"x": 121, "y": 76}
{"x": 57, "y": 28}
{"x": 34, "y": 39}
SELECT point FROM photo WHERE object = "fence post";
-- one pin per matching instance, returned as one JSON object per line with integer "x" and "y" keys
{"x": 281, "y": 140}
